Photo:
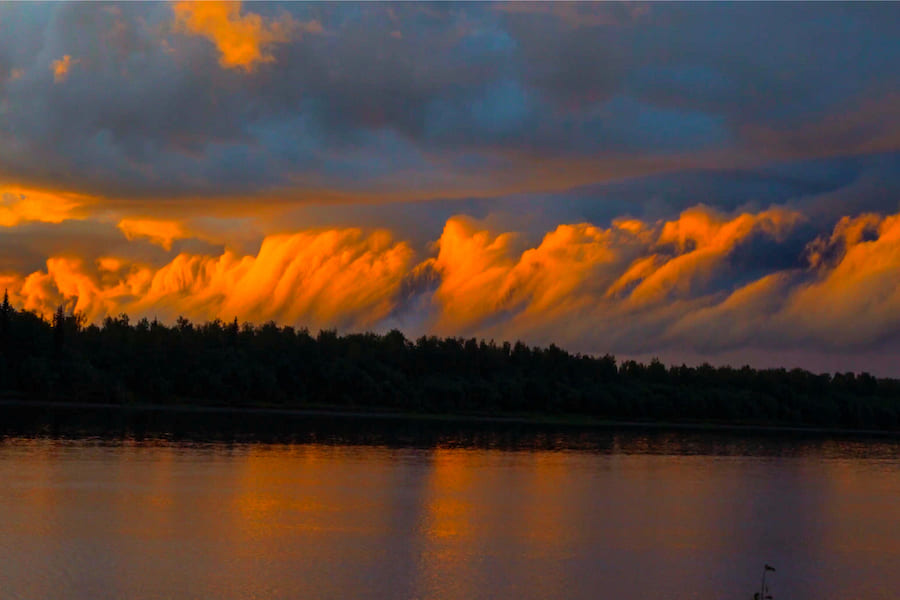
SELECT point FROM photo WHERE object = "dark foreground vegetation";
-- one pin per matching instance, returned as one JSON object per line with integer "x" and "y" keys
{"x": 269, "y": 366}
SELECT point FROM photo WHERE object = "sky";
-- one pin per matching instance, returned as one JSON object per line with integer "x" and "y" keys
{"x": 691, "y": 181}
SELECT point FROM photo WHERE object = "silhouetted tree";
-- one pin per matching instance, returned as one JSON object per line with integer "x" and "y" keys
{"x": 5, "y": 311}
{"x": 250, "y": 365}
{"x": 59, "y": 329}
{"x": 232, "y": 332}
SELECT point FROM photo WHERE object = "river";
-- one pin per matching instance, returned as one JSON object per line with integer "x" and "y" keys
{"x": 459, "y": 515}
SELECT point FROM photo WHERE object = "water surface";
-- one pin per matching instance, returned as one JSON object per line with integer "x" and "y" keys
{"x": 534, "y": 514}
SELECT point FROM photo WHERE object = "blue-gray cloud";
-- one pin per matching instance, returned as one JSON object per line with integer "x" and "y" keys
{"x": 412, "y": 100}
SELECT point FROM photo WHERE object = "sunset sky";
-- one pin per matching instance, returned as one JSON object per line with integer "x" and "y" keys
{"x": 698, "y": 182}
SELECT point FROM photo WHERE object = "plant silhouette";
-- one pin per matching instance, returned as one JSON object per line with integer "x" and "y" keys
{"x": 232, "y": 364}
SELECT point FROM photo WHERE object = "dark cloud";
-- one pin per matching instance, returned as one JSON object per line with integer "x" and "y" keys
{"x": 385, "y": 90}
{"x": 25, "y": 248}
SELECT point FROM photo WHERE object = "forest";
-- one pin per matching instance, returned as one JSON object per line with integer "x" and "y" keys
{"x": 244, "y": 365}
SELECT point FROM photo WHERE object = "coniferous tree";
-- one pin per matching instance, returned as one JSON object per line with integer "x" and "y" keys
{"x": 269, "y": 365}
{"x": 5, "y": 310}
{"x": 59, "y": 329}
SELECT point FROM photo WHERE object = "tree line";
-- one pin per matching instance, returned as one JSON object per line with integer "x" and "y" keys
{"x": 246, "y": 365}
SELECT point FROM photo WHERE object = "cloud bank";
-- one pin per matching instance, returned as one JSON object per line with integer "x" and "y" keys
{"x": 698, "y": 181}
{"x": 310, "y": 102}
{"x": 634, "y": 287}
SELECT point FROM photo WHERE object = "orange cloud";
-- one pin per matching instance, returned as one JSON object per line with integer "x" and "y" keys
{"x": 702, "y": 238}
{"x": 849, "y": 231}
{"x": 855, "y": 297}
{"x": 334, "y": 278}
{"x": 18, "y": 205}
{"x": 848, "y": 298}
{"x": 747, "y": 316}
{"x": 473, "y": 266}
{"x": 634, "y": 286}
{"x": 581, "y": 271}
{"x": 62, "y": 67}
{"x": 243, "y": 40}
{"x": 67, "y": 282}
{"x": 159, "y": 232}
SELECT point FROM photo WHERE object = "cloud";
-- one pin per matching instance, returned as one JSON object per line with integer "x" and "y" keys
{"x": 583, "y": 283}
{"x": 575, "y": 14}
{"x": 335, "y": 278}
{"x": 702, "y": 238}
{"x": 65, "y": 283}
{"x": 846, "y": 301}
{"x": 472, "y": 100}
{"x": 675, "y": 287}
{"x": 541, "y": 165}
{"x": 160, "y": 232}
{"x": 869, "y": 126}
{"x": 18, "y": 205}
{"x": 746, "y": 318}
{"x": 854, "y": 300}
{"x": 62, "y": 67}
{"x": 243, "y": 40}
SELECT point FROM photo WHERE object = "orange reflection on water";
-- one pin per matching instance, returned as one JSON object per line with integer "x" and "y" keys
{"x": 448, "y": 514}
{"x": 447, "y": 534}
{"x": 144, "y": 520}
